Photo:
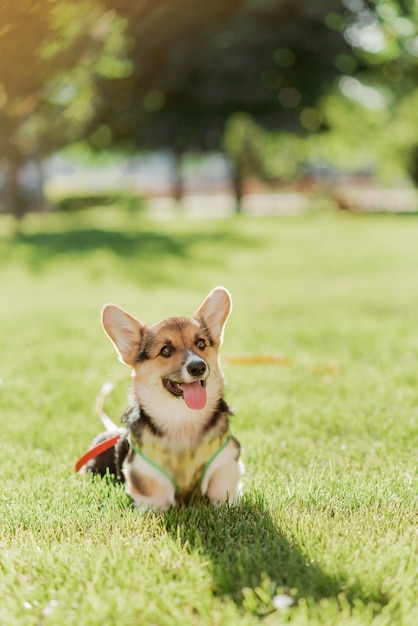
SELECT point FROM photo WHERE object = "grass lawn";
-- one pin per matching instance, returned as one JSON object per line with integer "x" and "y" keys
{"x": 329, "y": 426}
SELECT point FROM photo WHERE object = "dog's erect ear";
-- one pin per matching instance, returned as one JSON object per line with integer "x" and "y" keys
{"x": 124, "y": 331}
{"x": 214, "y": 312}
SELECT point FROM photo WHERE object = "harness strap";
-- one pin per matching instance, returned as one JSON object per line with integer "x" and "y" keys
{"x": 166, "y": 473}
{"x": 212, "y": 458}
{"x": 96, "y": 450}
{"x": 112, "y": 441}
{"x": 154, "y": 464}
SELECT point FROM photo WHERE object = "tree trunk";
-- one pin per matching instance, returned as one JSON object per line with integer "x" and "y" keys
{"x": 238, "y": 186}
{"x": 39, "y": 195}
{"x": 178, "y": 185}
{"x": 16, "y": 201}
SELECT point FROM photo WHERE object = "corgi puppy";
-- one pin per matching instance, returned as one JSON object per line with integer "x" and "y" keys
{"x": 176, "y": 442}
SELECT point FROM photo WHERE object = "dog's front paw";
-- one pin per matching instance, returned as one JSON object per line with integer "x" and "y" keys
{"x": 158, "y": 498}
{"x": 225, "y": 486}
{"x": 143, "y": 507}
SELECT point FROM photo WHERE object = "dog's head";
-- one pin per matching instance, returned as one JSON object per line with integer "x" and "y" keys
{"x": 175, "y": 359}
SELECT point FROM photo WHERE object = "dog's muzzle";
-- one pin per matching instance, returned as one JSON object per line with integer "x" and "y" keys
{"x": 192, "y": 391}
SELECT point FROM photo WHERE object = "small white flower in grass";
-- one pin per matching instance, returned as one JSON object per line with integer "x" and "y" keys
{"x": 52, "y": 604}
{"x": 282, "y": 601}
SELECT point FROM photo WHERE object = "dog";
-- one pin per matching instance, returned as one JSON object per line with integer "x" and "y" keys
{"x": 176, "y": 441}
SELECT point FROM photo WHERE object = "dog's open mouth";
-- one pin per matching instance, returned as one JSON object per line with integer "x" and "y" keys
{"x": 194, "y": 394}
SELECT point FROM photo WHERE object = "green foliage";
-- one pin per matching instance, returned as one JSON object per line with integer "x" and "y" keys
{"x": 269, "y": 156}
{"x": 261, "y": 59}
{"x": 244, "y": 144}
{"x": 328, "y": 522}
{"x": 46, "y": 72}
{"x": 343, "y": 70}
{"x": 351, "y": 140}
{"x": 53, "y": 54}
{"x": 244, "y": 76}
{"x": 383, "y": 37}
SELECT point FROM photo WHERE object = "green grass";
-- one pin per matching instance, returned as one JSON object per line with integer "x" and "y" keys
{"x": 330, "y": 440}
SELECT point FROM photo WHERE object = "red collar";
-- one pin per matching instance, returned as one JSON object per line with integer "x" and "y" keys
{"x": 96, "y": 450}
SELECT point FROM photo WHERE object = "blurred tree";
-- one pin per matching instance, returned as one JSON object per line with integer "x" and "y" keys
{"x": 383, "y": 38}
{"x": 374, "y": 109}
{"x": 197, "y": 64}
{"x": 244, "y": 144}
{"x": 205, "y": 76}
{"x": 50, "y": 50}
{"x": 368, "y": 121}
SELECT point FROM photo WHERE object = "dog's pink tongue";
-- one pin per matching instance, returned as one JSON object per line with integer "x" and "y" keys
{"x": 194, "y": 395}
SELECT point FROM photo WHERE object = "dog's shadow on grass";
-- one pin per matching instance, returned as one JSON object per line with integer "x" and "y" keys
{"x": 248, "y": 552}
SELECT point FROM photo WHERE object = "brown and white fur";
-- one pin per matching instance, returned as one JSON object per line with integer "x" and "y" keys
{"x": 165, "y": 358}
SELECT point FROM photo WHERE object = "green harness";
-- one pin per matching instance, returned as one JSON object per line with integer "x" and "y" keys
{"x": 184, "y": 468}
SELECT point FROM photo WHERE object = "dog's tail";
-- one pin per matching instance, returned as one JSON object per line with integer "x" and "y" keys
{"x": 100, "y": 457}
{"x": 106, "y": 389}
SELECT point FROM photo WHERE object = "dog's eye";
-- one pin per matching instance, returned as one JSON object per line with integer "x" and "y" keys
{"x": 166, "y": 351}
{"x": 201, "y": 344}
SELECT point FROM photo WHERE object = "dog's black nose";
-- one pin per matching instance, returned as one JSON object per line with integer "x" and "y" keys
{"x": 196, "y": 368}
